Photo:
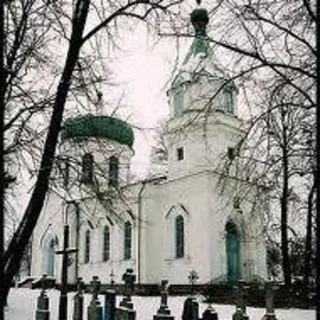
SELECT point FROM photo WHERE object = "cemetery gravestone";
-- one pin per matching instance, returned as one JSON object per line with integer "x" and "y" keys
{"x": 163, "y": 312}
{"x": 270, "y": 288}
{"x": 42, "y": 312}
{"x": 190, "y": 309}
{"x": 95, "y": 309}
{"x": 78, "y": 301}
{"x": 112, "y": 278}
{"x": 193, "y": 277}
{"x": 125, "y": 310}
{"x": 241, "y": 312}
{"x": 210, "y": 313}
{"x": 109, "y": 305}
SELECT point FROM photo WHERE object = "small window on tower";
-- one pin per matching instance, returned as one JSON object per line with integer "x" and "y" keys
{"x": 231, "y": 153}
{"x": 180, "y": 154}
{"x": 87, "y": 169}
{"x": 114, "y": 172}
{"x": 229, "y": 101}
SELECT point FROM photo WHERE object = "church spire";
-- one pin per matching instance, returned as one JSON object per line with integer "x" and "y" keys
{"x": 200, "y": 20}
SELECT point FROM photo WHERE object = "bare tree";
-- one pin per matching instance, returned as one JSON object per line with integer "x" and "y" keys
{"x": 274, "y": 57}
{"x": 41, "y": 23}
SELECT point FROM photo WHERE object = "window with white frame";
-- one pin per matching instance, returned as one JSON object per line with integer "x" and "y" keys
{"x": 177, "y": 224}
{"x": 106, "y": 244}
{"x": 87, "y": 247}
{"x": 179, "y": 236}
{"x": 229, "y": 100}
{"x": 127, "y": 240}
{"x": 87, "y": 169}
{"x": 113, "y": 171}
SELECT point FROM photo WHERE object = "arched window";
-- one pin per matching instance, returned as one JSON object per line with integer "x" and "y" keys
{"x": 179, "y": 233}
{"x": 106, "y": 244}
{"x": 87, "y": 168}
{"x": 229, "y": 101}
{"x": 233, "y": 252}
{"x": 127, "y": 240}
{"x": 51, "y": 258}
{"x": 87, "y": 247}
{"x": 113, "y": 171}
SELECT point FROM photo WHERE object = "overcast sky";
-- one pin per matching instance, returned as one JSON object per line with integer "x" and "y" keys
{"x": 144, "y": 71}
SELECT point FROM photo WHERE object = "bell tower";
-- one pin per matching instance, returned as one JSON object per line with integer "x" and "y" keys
{"x": 203, "y": 125}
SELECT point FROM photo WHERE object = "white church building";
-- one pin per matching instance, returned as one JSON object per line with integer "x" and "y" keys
{"x": 194, "y": 218}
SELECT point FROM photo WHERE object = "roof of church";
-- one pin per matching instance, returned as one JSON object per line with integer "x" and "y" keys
{"x": 199, "y": 19}
{"x": 99, "y": 127}
{"x": 200, "y": 59}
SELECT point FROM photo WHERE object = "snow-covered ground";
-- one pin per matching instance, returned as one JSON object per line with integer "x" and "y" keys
{"x": 22, "y": 306}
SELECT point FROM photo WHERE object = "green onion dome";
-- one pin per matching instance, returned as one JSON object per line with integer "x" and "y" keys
{"x": 90, "y": 126}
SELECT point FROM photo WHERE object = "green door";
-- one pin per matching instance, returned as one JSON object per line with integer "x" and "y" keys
{"x": 233, "y": 253}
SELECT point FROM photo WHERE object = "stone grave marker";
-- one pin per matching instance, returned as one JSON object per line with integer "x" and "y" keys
{"x": 78, "y": 301}
{"x": 270, "y": 289}
{"x": 95, "y": 308}
{"x": 241, "y": 309}
{"x": 109, "y": 305}
{"x": 43, "y": 312}
{"x": 126, "y": 310}
{"x": 193, "y": 278}
{"x": 190, "y": 309}
{"x": 163, "y": 312}
{"x": 210, "y": 313}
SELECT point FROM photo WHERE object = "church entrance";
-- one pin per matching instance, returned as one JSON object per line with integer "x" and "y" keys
{"x": 233, "y": 252}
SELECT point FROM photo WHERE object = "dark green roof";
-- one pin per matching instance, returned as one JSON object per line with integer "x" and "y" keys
{"x": 98, "y": 127}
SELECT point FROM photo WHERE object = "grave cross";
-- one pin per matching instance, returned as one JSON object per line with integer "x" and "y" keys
{"x": 80, "y": 285}
{"x": 164, "y": 298}
{"x": 95, "y": 283}
{"x": 164, "y": 292}
{"x": 42, "y": 312}
{"x": 112, "y": 278}
{"x": 43, "y": 283}
{"x": 193, "y": 277}
{"x": 95, "y": 308}
{"x": 242, "y": 287}
{"x": 65, "y": 252}
{"x": 163, "y": 312}
{"x": 129, "y": 279}
{"x": 241, "y": 301}
{"x": 78, "y": 301}
{"x": 270, "y": 288}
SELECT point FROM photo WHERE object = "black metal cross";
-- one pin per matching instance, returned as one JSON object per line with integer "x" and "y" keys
{"x": 193, "y": 277}
{"x": 80, "y": 285}
{"x": 65, "y": 252}
{"x": 95, "y": 283}
{"x": 129, "y": 279}
{"x": 164, "y": 292}
{"x": 43, "y": 283}
{"x": 112, "y": 277}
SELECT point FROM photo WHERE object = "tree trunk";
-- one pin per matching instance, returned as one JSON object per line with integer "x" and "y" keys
{"x": 2, "y": 176}
{"x": 317, "y": 173}
{"x": 17, "y": 246}
{"x": 308, "y": 244}
{"x": 286, "y": 268}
